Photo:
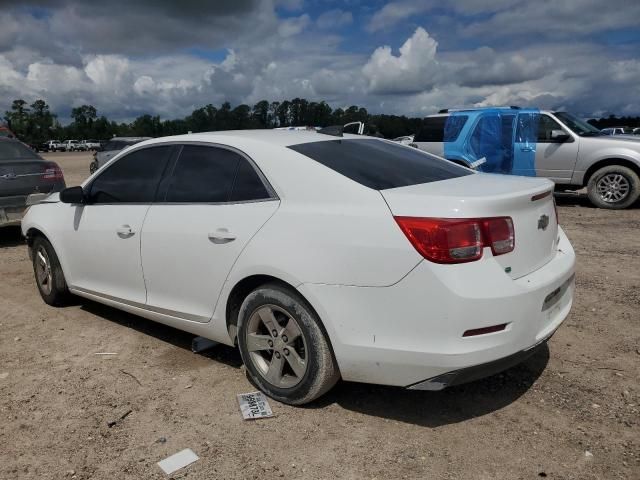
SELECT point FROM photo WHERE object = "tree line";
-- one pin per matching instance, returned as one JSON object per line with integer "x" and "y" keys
{"x": 35, "y": 123}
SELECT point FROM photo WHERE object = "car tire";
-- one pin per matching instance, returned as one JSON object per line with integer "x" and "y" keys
{"x": 291, "y": 362}
{"x": 614, "y": 187}
{"x": 48, "y": 273}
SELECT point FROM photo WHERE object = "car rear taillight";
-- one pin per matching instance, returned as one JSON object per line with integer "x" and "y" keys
{"x": 52, "y": 172}
{"x": 458, "y": 240}
{"x": 499, "y": 235}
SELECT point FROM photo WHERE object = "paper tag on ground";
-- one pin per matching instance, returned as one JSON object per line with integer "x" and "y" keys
{"x": 177, "y": 461}
{"x": 254, "y": 405}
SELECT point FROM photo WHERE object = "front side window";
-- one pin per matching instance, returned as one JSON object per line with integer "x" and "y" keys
{"x": 133, "y": 178}
{"x": 545, "y": 127}
{"x": 379, "y": 164}
{"x": 206, "y": 174}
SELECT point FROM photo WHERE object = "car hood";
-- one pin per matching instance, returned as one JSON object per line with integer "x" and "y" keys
{"x": 632, "y": 141}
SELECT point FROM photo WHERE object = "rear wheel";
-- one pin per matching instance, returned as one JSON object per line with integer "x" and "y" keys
{"x": 614, "y": 187}
{"x": 284, "y": 348}
{"x": 49, "y": 277}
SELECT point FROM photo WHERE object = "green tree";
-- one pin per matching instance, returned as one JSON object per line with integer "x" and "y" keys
{"x": 41, "y": 122}
{"x": 18, "y": 118}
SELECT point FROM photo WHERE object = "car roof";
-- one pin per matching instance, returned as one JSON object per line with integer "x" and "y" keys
{"x": 129, "y": 139}
{"x": 480, "y": 109}
{"x": 283, "y": 138}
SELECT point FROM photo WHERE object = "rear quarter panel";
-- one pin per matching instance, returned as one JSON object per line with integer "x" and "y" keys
{"x": 593, "y": 150}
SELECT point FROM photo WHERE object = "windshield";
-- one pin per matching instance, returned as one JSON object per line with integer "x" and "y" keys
{"x": 16, "y": 151}
{"x": 578, "y": 126}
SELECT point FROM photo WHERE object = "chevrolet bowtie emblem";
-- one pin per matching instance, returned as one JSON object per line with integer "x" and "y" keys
{"x": 543, "y": 222}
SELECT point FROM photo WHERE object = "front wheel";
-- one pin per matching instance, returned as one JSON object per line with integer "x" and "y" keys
{"x": 283, "y": 346}
{"x": 614, "y": 187}
{"x": 48, "y": 272}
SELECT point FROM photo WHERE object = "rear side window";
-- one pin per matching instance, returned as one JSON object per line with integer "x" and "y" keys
{"x": 214, "y": 175}
{"x": 441, "y": 129}
{"x": 133, "y": 178}
{"x": 248, "y": 185}
{"x": 10, "y": 150}
{"x": 379, "y": 164}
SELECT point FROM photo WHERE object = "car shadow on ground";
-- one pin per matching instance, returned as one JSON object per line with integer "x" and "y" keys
{"x": 221, "y": 353}
{"x": 430, "y": 409}
{"x": 434, "y": 409}
{"x": 573, "y": 199}
{"x": 11, "y": 236}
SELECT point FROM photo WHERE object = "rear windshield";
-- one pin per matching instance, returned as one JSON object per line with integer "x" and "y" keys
{"x": 119, "y": 144}
{"x": 378, "y": 164}
{"x": 16, "y": 151}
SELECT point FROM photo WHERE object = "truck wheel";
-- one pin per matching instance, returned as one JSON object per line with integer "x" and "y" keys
{"x": 284, "y": 349}
{"x": 614, "y": 187}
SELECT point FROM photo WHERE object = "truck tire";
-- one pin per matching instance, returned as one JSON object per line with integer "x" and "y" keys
{"x": 614, "y": 187}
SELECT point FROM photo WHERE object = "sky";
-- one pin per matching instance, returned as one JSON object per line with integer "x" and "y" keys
{"x": 166, "y": 57}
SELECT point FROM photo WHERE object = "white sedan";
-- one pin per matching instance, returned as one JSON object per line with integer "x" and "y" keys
{"x": 320, "y": 257}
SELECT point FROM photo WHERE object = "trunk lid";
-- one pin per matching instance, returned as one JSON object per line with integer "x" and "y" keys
{"x": 528, "y": 201}
{"x": 23, "y": 177}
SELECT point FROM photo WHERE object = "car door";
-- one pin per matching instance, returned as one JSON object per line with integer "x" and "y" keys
{"x": 101, "y": 240}
{"x": 213, "y": 203}
{"x": 555, "y": 157}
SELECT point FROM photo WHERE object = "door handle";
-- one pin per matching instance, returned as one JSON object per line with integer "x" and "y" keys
{"x": 221, "y": 235}
{"x": 526, "y": 149}
{"x": 125, "y": 231}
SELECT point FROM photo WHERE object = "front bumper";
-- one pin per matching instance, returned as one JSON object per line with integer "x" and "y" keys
{"x": 413, "y": 330}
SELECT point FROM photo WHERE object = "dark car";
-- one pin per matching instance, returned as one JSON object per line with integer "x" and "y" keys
{"x": 22, "y": 173}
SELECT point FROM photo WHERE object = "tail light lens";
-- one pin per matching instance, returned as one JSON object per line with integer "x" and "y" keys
{"x": 455, "y": 240}
{"x": 499, "y": 235}
{"x": 52, "y": 172}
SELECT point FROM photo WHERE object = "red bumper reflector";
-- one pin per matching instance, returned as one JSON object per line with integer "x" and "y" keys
{"x": 484, "y": 330}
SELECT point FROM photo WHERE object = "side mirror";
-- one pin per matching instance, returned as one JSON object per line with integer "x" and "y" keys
{"x": 559, "y": 135}
{"x": 73, "y": 195}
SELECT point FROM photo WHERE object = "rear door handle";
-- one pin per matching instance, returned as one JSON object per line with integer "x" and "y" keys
{"x": 526, "y": 149}
{"x": 125, "y": 231}
{"x": 221, "y": 235}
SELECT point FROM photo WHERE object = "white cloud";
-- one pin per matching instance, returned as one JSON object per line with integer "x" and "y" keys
{"x": 414, "y": 70}
{"x": 293, "y": 26}
{"x": 395, "y": 12}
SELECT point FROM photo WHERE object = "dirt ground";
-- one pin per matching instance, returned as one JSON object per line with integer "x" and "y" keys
{"x": 570, "y": 412}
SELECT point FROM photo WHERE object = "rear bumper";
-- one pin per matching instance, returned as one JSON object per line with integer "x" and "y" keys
{"x": 413, "y": 330}
{"x": 12, "y": 209}
{"x": 476, "y": 372}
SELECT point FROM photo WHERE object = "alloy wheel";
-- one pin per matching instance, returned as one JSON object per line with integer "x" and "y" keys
{"x": 44, "y": 276}
{"x": 613, "y": 187}
{"x": 276, "y": 346}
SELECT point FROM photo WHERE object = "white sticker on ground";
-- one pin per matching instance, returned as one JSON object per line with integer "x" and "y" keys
{"x": 254, "y": 405}
{"x": 177, "y": 461}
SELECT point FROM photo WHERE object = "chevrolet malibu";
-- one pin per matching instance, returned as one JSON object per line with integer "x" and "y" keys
{"x": 321, "y": 257}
